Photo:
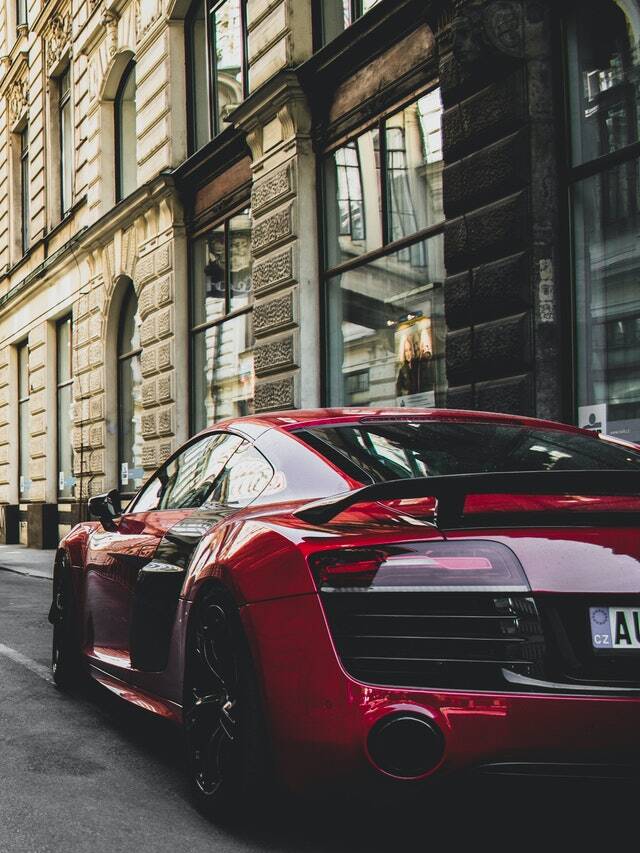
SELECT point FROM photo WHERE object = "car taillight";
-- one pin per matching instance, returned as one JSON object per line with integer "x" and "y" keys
{"x": 415, "y": 566}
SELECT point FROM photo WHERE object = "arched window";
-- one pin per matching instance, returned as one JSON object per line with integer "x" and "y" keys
{"x": 198, "y": 94}
{"x": 125, "y": 133}
{"x": 604, "y": 182}
{"x": 130, "y": 471}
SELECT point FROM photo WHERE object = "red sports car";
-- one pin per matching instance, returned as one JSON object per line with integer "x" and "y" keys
{"x": 345, "y": 595}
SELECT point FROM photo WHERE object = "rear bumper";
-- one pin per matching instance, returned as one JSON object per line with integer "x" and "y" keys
{"x": 320, "y": 717}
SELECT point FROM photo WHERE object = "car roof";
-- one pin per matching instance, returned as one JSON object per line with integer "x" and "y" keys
{"x": 253, "y": 425}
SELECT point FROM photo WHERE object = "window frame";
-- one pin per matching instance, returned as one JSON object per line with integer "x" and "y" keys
{"x": 571, "y": 175}
{"x": 197, "y": 328}
{"x": 22, "y": 14}
{"x": 388, "y": 247}
{"x": 117, "y": 128}
{"x": 211, "y": 7}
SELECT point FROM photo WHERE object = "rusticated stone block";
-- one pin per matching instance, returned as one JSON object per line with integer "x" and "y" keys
{"x": 148, "y": 361}
{"x": 144, "y": 269}
{"x": 513, "y": 395}
{"x": 164, "y": 355}
{"x": 273, "y": 356}
{"x": 96, "y": 407}
{"x": 149, "y": 424}
{"x": 96, "y": 436}
{"x": 458, "y": 356}
{"x": 96, "y": 381}
{"x": 164, "y": 290}
{"x": 460, "y": 397}
{"x": 165, "y": 449}
{"x": 147, "y": 300}
{"x": 149, "y": 392}
{"x": 457, "y": 300}
{"x": 148, "y": 331}
{"x": 273, "y": 314}
{"x": 165, "y": 422}
{"x": 149, "y": 457}
{"x": 272, "y": 272}
{"x": 272, "y": 189}
{"x": 165, "y": 388}
{"x": 496, "y": 171}
{"x": 501, "y": 288}
{"x": 502, "y": 347}
{"x": 279, "y": 394}
{"x": 495, "y": 111}
{"x": 163, "y": 258}
{"x": 272, "y": 230}
{"x": 163, "y": 323}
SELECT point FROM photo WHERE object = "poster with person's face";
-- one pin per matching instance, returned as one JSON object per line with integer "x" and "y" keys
{"x": 415, "y": 364}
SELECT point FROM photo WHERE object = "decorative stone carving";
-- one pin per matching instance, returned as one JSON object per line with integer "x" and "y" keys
{"x": 272, "y": 189}
{"x": 272, "y": 230}
{"x": 275, "y": 395}
{"x": 494, "y": 26}
{"x": 17, "y": 100}
{"x": 272, "y": 315}
{"x": 110, "y": 22}
{"x": 272, "y": 272}
{"x": 58, "y": 38}
{"x": 274, "y": 355}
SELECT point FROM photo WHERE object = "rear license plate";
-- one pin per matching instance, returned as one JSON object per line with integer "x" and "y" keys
{"x": 615, "y": 628}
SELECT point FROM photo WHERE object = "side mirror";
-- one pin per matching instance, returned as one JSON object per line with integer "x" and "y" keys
{"x": 106, "y": 508}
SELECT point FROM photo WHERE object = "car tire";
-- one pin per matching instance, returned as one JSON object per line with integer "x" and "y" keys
{"x": 224, "y": 727}
{"x": 66, "y": 659}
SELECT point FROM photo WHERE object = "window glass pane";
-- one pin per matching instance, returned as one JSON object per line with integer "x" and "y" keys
{"x": 604, "y": 66}
{"x": 239, "y": 235}
{"x": 337, "y": 15}
{"x": 208, "y": 277}
{"x": 130, "y": 415}
{"x": 23, "y": 371}
{"x": 66, "y": 480}
{"x": 246, "y": 475}
{"x": 66, "y": 143}
{"x": 386, "y": 320}
{"x": 23, "y": 450}
{"x": 190, "y": 478}
{"x": 227, "y": 56}
{"x": 353, "y": 207}
{"x": 414, "y": 167}
{"x": 607, "y": 266}
{"x": 390, "y": 451}
{"x": 223, "y": 371}
{"x": 21, "y": 12}
{"x": 199, "y": 96}
{"x": 24, "y": 187}
{"x": 130, "y": 322}
{"x": 63, "y": 361}
{"x": 126, "y": 133}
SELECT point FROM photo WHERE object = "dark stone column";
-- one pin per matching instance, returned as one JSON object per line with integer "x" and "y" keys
{"x": 501, "y": 203}
{"x": 9, "y": 524}
{"x": 42, "y": 525}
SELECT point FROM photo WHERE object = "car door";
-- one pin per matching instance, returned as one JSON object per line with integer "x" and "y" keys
{"x": 115, "y": 557}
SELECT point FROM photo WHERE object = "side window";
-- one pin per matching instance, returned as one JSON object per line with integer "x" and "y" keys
{"x": 245, "y": 477}
{"x": 189, "y": 478}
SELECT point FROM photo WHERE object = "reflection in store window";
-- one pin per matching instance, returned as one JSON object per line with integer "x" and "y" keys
{"x": 385, "y": 310}
{"x": 604, "y": 75}
{"x": 221, "y": 323}
{"x": 338, "y": 15}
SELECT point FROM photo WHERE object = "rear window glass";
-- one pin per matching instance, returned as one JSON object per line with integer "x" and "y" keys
{"x": 376, "y": 452}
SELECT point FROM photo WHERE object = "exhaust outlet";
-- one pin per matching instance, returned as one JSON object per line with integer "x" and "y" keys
{"x": 405, "y": 745}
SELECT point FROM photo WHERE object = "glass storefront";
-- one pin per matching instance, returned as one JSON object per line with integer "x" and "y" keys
{"x": 604, "y": 76}
{"x": 221, "y": 323}
{"x": 384, "y": 254}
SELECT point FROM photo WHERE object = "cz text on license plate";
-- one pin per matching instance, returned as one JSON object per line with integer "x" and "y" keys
{"x": 615, "y": 628}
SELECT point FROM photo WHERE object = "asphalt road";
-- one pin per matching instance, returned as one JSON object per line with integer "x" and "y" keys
{"x": 86, "y": 772}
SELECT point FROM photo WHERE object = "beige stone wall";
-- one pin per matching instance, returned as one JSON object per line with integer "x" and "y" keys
{"x": 79, "y": 266}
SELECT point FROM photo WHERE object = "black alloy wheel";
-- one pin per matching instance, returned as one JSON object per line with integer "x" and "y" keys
{"x": 224, "y": 727}
{"x": 66, "y": 659}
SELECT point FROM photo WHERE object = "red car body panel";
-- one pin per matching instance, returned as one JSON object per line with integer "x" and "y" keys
{"x": 319, "y": 715}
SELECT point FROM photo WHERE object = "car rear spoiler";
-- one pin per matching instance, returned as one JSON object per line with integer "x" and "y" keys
{"x": 451, "y": 491}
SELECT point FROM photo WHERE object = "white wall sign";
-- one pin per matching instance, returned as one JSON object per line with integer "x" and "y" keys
{"x": 593, "y": 417}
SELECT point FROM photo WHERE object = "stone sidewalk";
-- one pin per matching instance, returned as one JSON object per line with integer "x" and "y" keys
{"x": 27, "y": 561}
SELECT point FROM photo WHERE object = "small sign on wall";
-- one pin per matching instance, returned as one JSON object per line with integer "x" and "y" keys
{"x": 593, "y": 417}
{"x": 124, "y": 473}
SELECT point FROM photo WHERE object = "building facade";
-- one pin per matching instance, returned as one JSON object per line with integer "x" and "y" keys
{"x": 220, "y": 207}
